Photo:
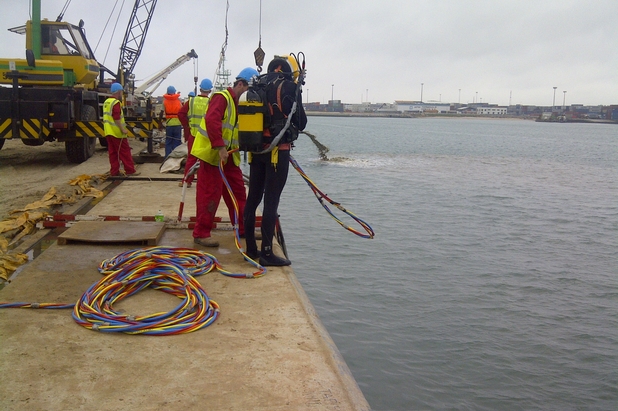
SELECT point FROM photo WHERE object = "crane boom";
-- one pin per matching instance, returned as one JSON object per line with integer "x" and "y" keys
{"x": 158, "y": 78}
{"x": 134, "y": 37}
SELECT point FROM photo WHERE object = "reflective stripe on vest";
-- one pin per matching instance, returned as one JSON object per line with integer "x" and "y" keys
{"x": 109, "y": 124}
{"x": 202, "y": 147}
{"x": 197, "y": 109}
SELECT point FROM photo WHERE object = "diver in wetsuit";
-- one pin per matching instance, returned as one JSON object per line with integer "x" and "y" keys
{"x": 269, "y": 171}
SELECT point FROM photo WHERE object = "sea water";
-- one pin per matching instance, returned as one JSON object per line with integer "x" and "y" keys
{"x": 492, "y": 280}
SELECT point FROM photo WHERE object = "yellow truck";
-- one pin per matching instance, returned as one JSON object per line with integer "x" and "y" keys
{"x": 56, "y": 93}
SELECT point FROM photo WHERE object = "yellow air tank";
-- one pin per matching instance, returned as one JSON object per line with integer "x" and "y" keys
{"x": 250, "y": 125}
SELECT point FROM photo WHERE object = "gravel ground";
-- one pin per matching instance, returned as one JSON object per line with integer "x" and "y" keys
{"x": 27, "y": 173}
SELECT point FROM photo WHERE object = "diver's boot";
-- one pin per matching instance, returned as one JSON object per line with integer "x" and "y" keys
{"x": 271, "y": 260}
{"x": 252, "y": 251}
{"x": 253, "y": 254}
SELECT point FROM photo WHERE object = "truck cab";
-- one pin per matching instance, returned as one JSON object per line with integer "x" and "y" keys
{"x": 62, "y": 43}
{"x": 51, "y": 95}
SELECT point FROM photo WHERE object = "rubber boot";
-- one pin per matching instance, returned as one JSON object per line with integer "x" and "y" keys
{"x": 252, "y": 251}
{"x": 253, "y": 254}
{"x": 268, "y": 259}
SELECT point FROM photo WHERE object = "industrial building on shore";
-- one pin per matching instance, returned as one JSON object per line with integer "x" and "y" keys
{"x": 414, "y": 108}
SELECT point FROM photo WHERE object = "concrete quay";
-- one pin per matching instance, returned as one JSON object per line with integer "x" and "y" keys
{"x": 267, "y": 350}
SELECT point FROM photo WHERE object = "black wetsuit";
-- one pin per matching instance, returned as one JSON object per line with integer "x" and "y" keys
{"x": 268, "y": 181}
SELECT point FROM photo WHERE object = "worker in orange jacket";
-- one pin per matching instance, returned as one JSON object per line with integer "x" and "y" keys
{"x": 173, "y": 127}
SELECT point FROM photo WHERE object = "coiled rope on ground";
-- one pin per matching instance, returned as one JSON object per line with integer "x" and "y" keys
{"x": 171, "y": 270}
{"x": 168, "y": 269}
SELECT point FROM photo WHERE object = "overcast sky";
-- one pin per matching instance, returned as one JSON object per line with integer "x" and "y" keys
{"x": 494, "y": 51}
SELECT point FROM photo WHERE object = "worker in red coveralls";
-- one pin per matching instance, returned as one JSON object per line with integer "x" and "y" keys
{"x": 191, "y": 115}
{"x": 218, "y": 134}
{"x": 116, "y": 134}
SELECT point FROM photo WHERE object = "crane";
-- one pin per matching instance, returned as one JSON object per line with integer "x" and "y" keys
{"x": 134, "y": 38}
{"x": 150, "y": 85}
{"x": 138, "y": 99}
{"x": 54, "y": 94}
{"x": 132, "y": 43}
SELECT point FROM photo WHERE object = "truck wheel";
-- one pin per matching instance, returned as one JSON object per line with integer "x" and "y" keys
{"x": 103, "y": 141}
{"x": 1, "y": 142}
{"x": 83, "y": 148}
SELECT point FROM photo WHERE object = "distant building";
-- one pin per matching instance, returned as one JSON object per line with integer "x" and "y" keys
{"x": 361, "y": 108}
{"x": 314, "y": 106}
{"x": 466, "y": 110}
{"x": 419, "y": 107}
{"x": 386, "y": 108}
{"x": 335, "y": 106}
{"x": 491, "y": 111}
{"x": 403, "y": 108}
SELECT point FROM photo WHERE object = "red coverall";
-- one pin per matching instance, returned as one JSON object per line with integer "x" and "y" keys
{"x": 210, "y": 185}
{"x": 119, "y": 150}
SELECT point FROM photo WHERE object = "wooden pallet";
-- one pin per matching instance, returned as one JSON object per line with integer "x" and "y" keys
{"x": 113, "y": 232}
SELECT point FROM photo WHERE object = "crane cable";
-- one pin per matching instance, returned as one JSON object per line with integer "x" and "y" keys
{"x": 223, "y": 47}
{"x": 195, "y": 74}
{"x": 259, "y": 53}
{"x": 322, "y": 197}
{"x": 64, "y": 9}
{"x": 115, "y": 25}
{"x": 105, "y": 27}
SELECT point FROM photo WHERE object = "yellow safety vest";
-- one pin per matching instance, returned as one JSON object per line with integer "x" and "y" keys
{"x": 202, "y": 147}
{"x": 197, "y": 109}
{"x": 109, "y": 124}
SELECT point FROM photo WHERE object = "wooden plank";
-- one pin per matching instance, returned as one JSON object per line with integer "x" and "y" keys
{"x": 113, "y": 232}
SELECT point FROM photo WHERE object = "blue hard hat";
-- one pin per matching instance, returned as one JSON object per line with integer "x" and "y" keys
{"x": 116, "y": 87}
{"x": 206, "y": 84}
{"x": 171, "y": 90}
{"x": 247, "y": 74}
{"x": 191, "y": 94}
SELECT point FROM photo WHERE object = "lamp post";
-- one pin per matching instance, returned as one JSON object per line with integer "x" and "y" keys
{"x": 459, "y": 99}
{"x": 554, "y": 103}
{"x": 367, "y": 98}
{"x": 332, "y": 97}
{"x": 307, "y": 96}
{"x": 564, "y": 101}
{"x": 422, "y": 92}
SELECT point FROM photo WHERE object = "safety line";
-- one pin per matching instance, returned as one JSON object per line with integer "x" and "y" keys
{"x": 321, "y": 197}
{"x": 261, "y": 270}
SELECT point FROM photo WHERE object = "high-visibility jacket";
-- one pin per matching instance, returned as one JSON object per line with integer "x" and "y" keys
{"x": 202, "y": 147}
{"x": 109, "y": 124}
{"x": 172, "y": 106}
{"x": 197, "y": 109}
